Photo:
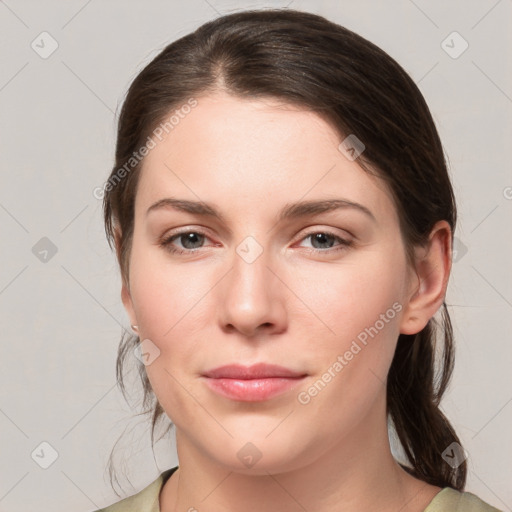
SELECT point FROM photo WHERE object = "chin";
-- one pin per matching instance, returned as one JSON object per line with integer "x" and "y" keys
{"x": 263, "y": 454}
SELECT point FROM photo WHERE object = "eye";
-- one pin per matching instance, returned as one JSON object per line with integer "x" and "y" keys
{"x": 324, "y": 241}
{"x": 190, "y": 241}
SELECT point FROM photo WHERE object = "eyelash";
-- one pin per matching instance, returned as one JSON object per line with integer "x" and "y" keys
{"x": 165, "y": 242}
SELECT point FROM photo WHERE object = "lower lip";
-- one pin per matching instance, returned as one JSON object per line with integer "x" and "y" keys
{"x": 252, "y": 390}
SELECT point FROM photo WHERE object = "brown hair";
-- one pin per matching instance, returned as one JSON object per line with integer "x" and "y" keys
{"x": 308, "y": 61}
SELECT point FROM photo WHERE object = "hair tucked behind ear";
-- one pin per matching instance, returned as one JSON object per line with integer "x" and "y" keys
{"x": 149, "y": 405}
{"x": 308, "y": 61}
{"x": 414, "y": 393}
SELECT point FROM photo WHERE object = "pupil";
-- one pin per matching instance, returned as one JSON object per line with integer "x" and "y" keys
{"x": 190, "y": 238}
{"x": 321, "y": 237}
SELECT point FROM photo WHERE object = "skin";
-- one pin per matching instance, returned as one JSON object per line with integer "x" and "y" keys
{"x": 290, "y": 306}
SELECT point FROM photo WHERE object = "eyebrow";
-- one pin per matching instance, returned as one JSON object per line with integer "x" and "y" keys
{"x": 288, "y": 212}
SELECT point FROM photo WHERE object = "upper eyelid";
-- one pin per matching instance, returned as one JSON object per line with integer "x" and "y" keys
{"x": 317, "y": 228}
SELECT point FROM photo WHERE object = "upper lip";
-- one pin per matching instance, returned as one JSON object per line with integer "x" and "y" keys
{"x": 256, "y": 371}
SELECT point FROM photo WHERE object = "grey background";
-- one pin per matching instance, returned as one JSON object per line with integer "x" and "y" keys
{"x": 61, "y": 319}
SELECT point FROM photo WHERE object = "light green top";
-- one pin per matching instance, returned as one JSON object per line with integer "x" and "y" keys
{"x": 447, "y": 500}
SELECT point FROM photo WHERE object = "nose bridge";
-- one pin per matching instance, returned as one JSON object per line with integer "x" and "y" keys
{"x": 250, "y": 273}
{"x": 249, "y": 291}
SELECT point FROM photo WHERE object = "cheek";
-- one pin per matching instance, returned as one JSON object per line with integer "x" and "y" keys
{"x": 162, "y": 292}
{"x": 357, "y": 308}
{"x": 170, "y": 306}
{"x": 340, "y": 301}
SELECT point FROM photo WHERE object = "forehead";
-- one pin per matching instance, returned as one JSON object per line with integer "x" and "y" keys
{"x": 257, "y": 150}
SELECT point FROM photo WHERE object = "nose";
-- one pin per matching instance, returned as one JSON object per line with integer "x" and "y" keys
{"x": 251, "y": 297}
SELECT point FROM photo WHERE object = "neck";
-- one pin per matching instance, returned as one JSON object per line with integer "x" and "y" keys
{"x": 358, "y": 473}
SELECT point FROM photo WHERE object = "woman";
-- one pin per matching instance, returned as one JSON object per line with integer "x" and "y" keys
{"x": 283, "y": 219}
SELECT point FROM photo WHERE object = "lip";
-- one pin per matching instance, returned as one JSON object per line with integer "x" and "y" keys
{"x": 254, "y": 383}
{"x": 256, "y": 371}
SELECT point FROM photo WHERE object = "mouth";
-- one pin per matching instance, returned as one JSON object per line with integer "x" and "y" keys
{"x": 255, "y": 383}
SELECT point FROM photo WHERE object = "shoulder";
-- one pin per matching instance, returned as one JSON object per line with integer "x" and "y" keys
{"x": 145, "y": 500}
{"x": 450, "y": 500}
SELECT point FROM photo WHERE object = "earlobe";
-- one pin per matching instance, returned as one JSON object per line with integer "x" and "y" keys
{"x": 125, "y": 289}
{"x": 428, "y": 287}
{"x": 128, "y": 303}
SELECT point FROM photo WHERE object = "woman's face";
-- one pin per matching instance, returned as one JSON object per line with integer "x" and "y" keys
{"x": 266, "y": 279}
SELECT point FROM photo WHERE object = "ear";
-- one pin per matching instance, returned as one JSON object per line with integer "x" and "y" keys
{"x": 429, "y": 280}
{"x": 128, "y": 303}
{"x": 125, "y": 289}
